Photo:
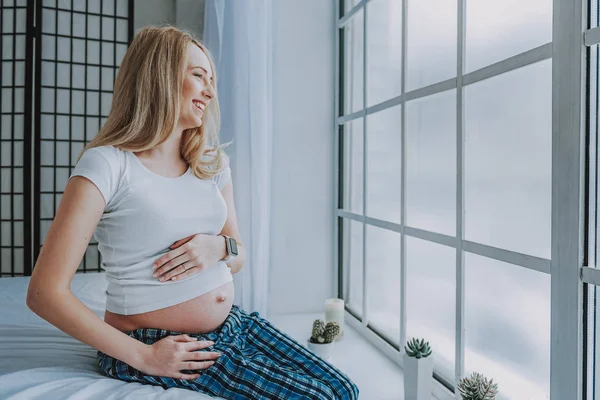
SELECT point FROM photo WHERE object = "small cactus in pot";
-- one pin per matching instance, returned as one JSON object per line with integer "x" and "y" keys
{"x": 477, "y": 387}
{"x": 322, "y": 338}
{"x": 417, "y": 348}
{"x": 324, "y": 333}
{"x": 418, "y": 370}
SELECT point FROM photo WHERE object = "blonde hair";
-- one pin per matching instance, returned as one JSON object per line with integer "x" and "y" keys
{"x": 147, "y": 96}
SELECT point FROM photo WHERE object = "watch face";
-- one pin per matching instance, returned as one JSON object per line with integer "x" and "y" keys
{"x": 234, "y": 249}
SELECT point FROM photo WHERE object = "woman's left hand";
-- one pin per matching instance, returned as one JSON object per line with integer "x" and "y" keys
{"x": 190, "y": 256}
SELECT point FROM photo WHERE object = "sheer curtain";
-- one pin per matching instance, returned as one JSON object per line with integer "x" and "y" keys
{"x": 238, "y": 33}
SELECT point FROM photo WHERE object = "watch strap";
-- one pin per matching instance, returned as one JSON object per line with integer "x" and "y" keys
{"x": 230, "y": 256}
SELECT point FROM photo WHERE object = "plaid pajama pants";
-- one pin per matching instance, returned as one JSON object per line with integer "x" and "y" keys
{"x": 258, "y": 362}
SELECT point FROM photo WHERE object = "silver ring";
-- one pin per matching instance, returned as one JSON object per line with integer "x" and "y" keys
{"x": 184, "y": 266}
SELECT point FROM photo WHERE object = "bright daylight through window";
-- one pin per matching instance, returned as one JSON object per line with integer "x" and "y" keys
{"x": 444, "y": 155}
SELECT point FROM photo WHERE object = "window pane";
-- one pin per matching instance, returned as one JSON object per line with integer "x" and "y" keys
{"x": 352, "y": 153}
{"x": 431, "y": 300}
{"x": 384, "y": 164}
{"x": 431, "y": 163}
{"x": 496, "y": 32}
{"x": 384, "y": 50}
{"x": 508, "y": 160}
{"x": 352, "y": 264}
{"x": 353, "y": 63}
{"x": 430, "y": 42}
{"x": 507, "y": 326}
{"x": 383, "y": 279}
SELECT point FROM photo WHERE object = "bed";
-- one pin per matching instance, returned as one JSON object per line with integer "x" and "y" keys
{"x": 39, "y": 361}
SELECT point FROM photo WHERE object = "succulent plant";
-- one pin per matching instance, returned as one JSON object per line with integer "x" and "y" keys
{"x": 417, "y": 348}
{"x": 324, "y": 333}
{"x": 477, "y": 387}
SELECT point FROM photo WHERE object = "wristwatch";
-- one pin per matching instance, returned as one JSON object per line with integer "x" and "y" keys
{"x": 232, "y": 250}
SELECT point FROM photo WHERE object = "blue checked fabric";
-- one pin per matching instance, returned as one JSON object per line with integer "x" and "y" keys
{"x": 258, "y": 362}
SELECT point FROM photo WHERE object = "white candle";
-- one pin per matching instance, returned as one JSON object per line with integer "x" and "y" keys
{"x": 334, "y": 312}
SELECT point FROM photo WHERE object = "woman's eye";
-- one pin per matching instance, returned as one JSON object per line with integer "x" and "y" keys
{"x": 199, "y": 75}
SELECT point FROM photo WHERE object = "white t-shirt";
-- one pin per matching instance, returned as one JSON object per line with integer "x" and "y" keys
{"x": 145, "y": 214}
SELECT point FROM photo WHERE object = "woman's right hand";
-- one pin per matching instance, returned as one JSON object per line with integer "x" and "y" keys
{"x": 167, "y": 356}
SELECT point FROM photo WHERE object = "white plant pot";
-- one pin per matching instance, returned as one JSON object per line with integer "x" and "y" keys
{"x": 323, "y": 350}
{"x": 418, "y": 377}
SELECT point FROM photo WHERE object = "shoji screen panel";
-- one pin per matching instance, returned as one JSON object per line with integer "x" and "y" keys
{"x": 82, "y": 45}
{"x": 15, "y": 160}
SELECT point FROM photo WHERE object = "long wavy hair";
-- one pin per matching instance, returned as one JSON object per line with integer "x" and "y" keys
{"x": 147, "y": 96}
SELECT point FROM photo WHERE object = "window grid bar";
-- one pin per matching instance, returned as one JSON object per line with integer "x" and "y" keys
{"x": 438, "y": 87}
{"x": 568, "y": 171}
{"x": 589, "y": 327}
{"x": 459, "y": 340}
{"x": 403, "y": 162}
{"x": 512, "y": 257}
{"x": 342, "y": 22}
{"x": 521, "y": 60}
{"x": 338, "y": 283}
{"x": 524, "y": 59}
{"x": 365, "y": 317}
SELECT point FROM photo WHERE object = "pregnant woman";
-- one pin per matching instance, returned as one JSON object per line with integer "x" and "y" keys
{"x": 154, "y": 188}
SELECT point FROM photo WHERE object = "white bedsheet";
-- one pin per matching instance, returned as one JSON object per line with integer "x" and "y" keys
{"x": 39, "y": 361}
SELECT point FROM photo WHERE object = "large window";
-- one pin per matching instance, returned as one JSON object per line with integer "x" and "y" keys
{"x": 444, "y": 153}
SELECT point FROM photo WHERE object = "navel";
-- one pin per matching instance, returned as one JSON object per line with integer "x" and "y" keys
{"x": 221, "y": 298}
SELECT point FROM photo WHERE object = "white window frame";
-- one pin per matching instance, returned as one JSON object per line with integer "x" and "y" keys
{"x": 567, "y": 51}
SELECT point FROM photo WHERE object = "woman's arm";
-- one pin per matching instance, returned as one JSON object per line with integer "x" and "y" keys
{"x": 49, "y": 294}
{"x": 65, "y": 311}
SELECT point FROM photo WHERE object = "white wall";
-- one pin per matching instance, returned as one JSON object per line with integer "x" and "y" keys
{"x": 153, "y": 12}
{"x": 189, "y": 15}
{"x": 185, "y": 14}
{"x": 302, "y": 198}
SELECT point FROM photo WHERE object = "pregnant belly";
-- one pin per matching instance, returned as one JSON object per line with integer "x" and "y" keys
{"x": 199, "y": 315}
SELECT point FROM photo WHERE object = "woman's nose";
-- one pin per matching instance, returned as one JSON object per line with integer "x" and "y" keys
{"x": 209, "y": 91}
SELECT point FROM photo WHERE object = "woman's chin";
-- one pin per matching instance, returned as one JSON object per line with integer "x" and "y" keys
{"x": 194, "y": 124}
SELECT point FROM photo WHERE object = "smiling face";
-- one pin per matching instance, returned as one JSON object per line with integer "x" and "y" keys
{"x": 197, "y": 89}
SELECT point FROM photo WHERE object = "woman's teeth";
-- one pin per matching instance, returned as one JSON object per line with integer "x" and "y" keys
{"x": 199, "y": 105}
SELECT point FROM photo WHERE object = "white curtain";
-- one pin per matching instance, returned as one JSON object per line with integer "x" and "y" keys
{"x": 238, "y": 33}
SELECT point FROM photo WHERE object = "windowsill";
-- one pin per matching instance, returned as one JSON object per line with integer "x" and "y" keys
{"x": 376, "y": 376}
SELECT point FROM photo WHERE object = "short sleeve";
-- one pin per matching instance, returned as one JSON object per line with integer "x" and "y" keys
{"x": 224, "y": 176}
{"x": 101, "y": 166}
